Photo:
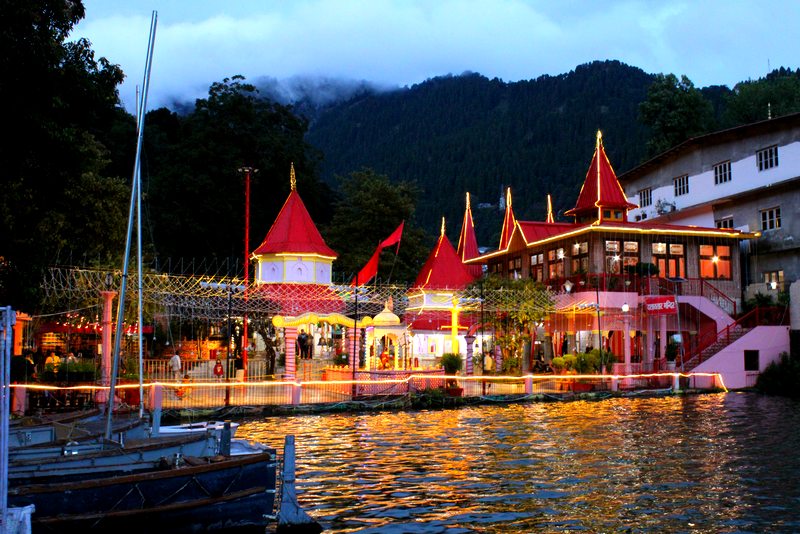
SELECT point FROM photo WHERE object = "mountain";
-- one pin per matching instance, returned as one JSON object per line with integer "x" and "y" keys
{"x": 454, "y": 134}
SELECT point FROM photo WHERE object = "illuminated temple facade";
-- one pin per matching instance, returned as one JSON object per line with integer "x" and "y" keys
{"x": 629, "y": 286}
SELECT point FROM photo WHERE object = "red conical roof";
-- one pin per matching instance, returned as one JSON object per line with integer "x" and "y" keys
{"x": 508, "y": 223}
{"x": 468, "y": 243}
{"x": 601, "y": 188}
{"x": 443, "y": 268}
{"x": 293, "y": 231}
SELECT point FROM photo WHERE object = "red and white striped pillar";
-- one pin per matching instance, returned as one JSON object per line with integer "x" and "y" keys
{"x": 290, "y": 344}
{"x": 352, "y": 347}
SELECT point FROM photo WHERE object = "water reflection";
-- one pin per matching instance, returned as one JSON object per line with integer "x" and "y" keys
{"x": 710, "y": 463}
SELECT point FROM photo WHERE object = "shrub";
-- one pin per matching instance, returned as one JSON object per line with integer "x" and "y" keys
{"x": 451, "y": 362}
{"x": 781, "y": 377}
{"x": 558, "y": 364}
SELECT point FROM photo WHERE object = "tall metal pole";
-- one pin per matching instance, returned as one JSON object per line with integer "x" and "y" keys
{"x": 134, "y": 189}
{"x": 7, "y": 321}
{"x": 247, "y": 171}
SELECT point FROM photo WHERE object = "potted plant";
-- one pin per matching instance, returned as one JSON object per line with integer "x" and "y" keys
{"x": 451, "y": 363}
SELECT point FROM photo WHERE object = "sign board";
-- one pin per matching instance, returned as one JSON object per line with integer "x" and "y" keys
{"x": 661, "y": 305}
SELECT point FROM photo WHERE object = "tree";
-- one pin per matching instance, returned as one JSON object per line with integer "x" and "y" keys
{"x": 752, "y": 101}
{"x": 196, "y": 194}
{"x": 369, "y": 209}
{"x": 675, "y": 111}
{"x": 60, "y": 204}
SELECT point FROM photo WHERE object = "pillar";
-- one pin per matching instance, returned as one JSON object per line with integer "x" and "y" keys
{"x": 626, "y": 341}
{"x": 662, "y": 343}
{"x": 468, "y": 369}
{"x": 19, "y": 329}
{"x": 290, "y": 345}
{"x": 352, "y": 347}
{"x": 105, "y": 363}
{"x": 454, "y": 327}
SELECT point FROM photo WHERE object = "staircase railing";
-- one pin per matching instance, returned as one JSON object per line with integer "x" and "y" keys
{"x": 773, "y": 315}
{"x": 717, "y": 297}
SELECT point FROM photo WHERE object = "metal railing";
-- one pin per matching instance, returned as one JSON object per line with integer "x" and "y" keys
{"x": 199, "y": 394}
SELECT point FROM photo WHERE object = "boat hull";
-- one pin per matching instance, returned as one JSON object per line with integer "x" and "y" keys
{"x": 232, "y": 494}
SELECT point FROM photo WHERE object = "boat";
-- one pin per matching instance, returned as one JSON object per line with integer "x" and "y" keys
{"x": 198, "y": 495}
{"x": 200, "y": 426}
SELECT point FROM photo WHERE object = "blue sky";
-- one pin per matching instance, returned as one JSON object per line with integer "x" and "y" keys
{"x": 402, "y": 42}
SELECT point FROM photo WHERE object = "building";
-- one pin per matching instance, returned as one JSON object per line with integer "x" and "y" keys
{"x": 631, "y": 283}
{"x": 746, "y": 178}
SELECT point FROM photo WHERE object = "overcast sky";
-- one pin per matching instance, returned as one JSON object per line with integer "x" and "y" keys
{"x": 402, "y": 42}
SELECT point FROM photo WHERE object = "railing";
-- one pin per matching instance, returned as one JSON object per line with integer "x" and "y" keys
{"x": 375, "y": 392}
{"x": 718, "y": 340}
{"x": 647, "y": 285}
{"x": 159, "y": 370}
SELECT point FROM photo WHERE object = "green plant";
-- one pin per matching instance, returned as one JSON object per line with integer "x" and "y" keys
{"x": 569, "y": 362}
{"x": 558, "y": 364}
{"x": 451, "y": 362}
{"x": 341, "y": 359}
{"x": 781, "y": 377}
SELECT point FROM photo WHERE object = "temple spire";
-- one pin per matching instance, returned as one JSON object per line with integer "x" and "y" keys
{"x": 468, "y": 243}
{"x": 508, "y": 222}
{"x": 550, "y": 217}
{"x": 442, "y": 232}
{"x": 292, "y": 178}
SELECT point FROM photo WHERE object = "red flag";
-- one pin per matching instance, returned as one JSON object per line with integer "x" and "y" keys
{"x": 394, "y": 238}
{"x": 369, "y": 270}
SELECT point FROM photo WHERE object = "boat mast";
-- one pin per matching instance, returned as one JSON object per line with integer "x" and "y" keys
{"x": 135, "y": 191}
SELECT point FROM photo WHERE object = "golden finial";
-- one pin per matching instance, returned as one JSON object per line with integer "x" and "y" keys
{"x": 292, "y": 178}
{"x": 467, "y": 199}
{"x": 442, "y": 226}
{"x": 550, "y": 217}
{"x": 508, "y": 197}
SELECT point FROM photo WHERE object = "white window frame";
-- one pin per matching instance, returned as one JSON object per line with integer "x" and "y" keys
{"x": 771, "y": 218}
{"x": 722, "y": 172}
{"x": 645, "y": 197}
{"x": 767, "y": 158}
{"x": 681, "y": 185}
{"x": 725, "y": 222}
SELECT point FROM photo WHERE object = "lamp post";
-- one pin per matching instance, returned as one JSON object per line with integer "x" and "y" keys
{"x": 568, "y": 285}
{"x": 247, "y": 172}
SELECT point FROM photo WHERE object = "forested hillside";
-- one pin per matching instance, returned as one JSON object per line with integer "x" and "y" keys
{"x": 455, "y": 134}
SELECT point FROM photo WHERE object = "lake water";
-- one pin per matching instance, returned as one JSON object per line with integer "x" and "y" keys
{"x": 705, "y": 463}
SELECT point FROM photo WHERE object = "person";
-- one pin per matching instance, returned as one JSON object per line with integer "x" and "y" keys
{"x": 488, "y": 362}
{"x": 71, "y": 358}
{"x": 175, "y": 366}
{"x": 302, "y": 344}
{"x": 53, "y": 360}
{"x": 219, "y": 372}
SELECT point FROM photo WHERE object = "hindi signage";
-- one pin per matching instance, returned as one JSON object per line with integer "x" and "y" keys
{"x": 661, "y": 305}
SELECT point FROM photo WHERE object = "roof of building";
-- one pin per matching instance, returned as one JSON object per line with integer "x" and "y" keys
{"x": 508, "y": 222}
{"x": 443, "y": 268}
{"x": 468, "y": 242}
{"x": 601, "y": 188}
{"x": 294, "y": 231}
{"x": 722, "y": 136}
{"x": 297, "y": 298}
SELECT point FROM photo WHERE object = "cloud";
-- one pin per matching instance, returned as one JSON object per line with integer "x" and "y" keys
{"x": 400, "y": 42}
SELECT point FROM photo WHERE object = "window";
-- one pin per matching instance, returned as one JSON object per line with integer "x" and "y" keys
{"x": 496, "y": 268}
{"x": 645, "y": 197}
{"x": 630, "y": 251}
{"x": 515, "y": 267}
{"x": 774, "y": 279}
{"x": 771, "y": 219}
{"x": 751, "y": 360}
{"x": 727, "y": 222}
{"x": 681, "y": 185}
{"x": 767, "y": 158}
{"x": 613, "y": 258}
{"x": 722, "y": 172}
{"x": 580, "y": 257}
{"x": 537, "y": 267}
{"x": 555, "y": 259}
{"x": 669, "y": 259}
{"x": 715, "y": 262}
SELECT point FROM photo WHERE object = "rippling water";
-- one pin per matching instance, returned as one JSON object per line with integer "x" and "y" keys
{"x": 708, "y": 463}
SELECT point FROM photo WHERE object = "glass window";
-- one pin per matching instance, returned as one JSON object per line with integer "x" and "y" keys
{"x": 767, "y": 158}
{"x": 722, "y": 172}
{"x": 659, "y": 248}
{"x": 670, "y": 260}
{"x": 681, "y": 184}
{"x": 727, "y": 222}
{"x": 715, "y": 262}
{"x": 771, "y": 219}
{"x": 645, "y": 197}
